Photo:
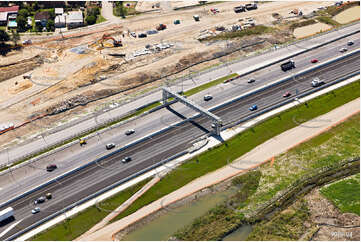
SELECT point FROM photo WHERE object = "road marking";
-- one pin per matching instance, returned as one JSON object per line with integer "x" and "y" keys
{"x": 10, "y": 228}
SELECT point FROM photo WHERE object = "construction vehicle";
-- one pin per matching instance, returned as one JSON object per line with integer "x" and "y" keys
{"x": 161, "y": 27}
{"x": 116, "y": 43}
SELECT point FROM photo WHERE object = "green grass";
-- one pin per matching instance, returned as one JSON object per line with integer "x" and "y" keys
{"x": 100, "y": 19}
{"x": 82, "y": 222}
{"x": 328, "y": 20}
{"x": 345, "y": 194}
{"x": 242, "y": 143}
{"x": 256, "y": 30}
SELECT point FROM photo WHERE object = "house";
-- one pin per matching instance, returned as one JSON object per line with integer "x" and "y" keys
{"x": 29, "y": 22}
{"x": 59, "y": 11}
{"x": 42, "y": 18}
{"x": 74, "y": 19}
{"x": 6, "y": 13}
{"x": 60, "y": 21}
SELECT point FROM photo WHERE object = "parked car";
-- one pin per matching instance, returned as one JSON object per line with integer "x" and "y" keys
{"x": 314, "y": 61}
{"x": 126, "y": 159}
{"x": 161, "y": 27}
{"x": 153, "y": 31}
{"x": 39, "y": 200}
{"x": 349, "y": 43}
{"x": 251, "y": 80}
{"x": 344, "y": 49}
{"x": 196, "y": 18}
{"x": 133, "y": 34}
{"x": 110, "y": 146}
{"x": 49, "y": 195}
{"x": 27, "y": 42}
{"x": 129, "y": 132}
{"x": 142, "y": 35}
{"x": 51, "y": 167}
{"x": 35, "y": 210}
{"x": 286, "y": 94}
{"x": 177, "y": 21}
{"x": 253, "y": 108}
{"x": 207, "y": 97}
{"x": 239, "y": 9}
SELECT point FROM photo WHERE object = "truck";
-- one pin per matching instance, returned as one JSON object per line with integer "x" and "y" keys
{"x": 161, "y": 27}
{"x": 251, "y": 6}
{"x": 6, "y": 214}
{"x": 288, "y": 65}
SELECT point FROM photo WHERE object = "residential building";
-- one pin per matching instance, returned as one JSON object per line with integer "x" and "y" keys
{"x": 3, "y": 18}
{"x": 59, "y": 11}
{"x": 42, "y": 18}
{"x": 7, "y": 13}
{"x": 74, "y": 19}
{"x": 60, "y": 21}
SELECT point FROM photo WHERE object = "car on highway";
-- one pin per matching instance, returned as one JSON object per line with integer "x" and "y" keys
{"x": 349, "y": 43}
{"x": 253, "y": 108}
{"x": 286, "y": 94}
{"x": 35, "y": 210}
{"x": 142, "y": 35}
{"x": 343, "y": 49}
{"x": 316, "y": 82}
{"x": 207, "y": 97}
{"x": 314, "y": 61}
{"x": 126, "y": 159}
{"x": 39, "y": 200}
{"x": 251, "y": 80}
{"x": 49, "y": 195}
{"x": 129, "y": 132}
{"x": 110, "y": 146}
{"x": 51, "y": 167}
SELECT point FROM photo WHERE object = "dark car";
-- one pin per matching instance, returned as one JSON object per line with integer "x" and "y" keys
{"x": 129, "y": 132}
{"x": 253, "y": 108}
{"x": 39, "y": 200}
{"x": 126, "y": 159}
{"x": 207, "y": 98}
{"x": 48, "y": 195}
{"x": 288, "y": 65}
{"x": 239, "y": 9}
{"x": 51, "y": 167}
{"x": 110, "y": 146}
{"x": 349, "y": 43}
{"x": 142, "y": 35}
{"x": 251, "y": 80}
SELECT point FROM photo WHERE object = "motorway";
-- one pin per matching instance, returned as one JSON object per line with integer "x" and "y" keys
{"x": 91, "y": 179}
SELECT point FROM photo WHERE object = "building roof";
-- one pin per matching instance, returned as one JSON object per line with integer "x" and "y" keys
{"x": 9, "y": 9}
{"x": 3, "y": 16}
{"x": 60, "y": 19}
{"x": 74, "y": 17}
{"x": 59, "y": 10}
{"x": 42, "y": 15}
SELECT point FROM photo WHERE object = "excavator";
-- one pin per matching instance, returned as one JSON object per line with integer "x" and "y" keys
{"x": 116, "y": 43}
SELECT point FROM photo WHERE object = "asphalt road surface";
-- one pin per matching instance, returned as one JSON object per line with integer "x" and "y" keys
{"x": 91, "y": 179}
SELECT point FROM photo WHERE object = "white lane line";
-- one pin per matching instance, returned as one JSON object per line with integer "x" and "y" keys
{"x": 10, "y": 228}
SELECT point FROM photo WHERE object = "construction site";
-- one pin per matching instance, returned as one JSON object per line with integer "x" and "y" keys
{"x": 63, "y": 77}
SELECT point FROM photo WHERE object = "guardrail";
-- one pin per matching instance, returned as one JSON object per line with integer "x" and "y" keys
{"x": 198, "y": 74}
{"x": 176, "y": 155}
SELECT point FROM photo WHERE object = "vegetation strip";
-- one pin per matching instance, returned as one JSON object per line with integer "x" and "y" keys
{"x": 268, "y": 189}
{"x": 218, "y": 157}
{"x": 242, "y": 143}
{"x": 73, "y": 227}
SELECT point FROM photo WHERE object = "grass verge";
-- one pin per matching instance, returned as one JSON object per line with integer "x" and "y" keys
{"x": 345, "y": 194}
{"x": 100, "y": 19}
{"x": 73, "y": 227}
{"x": 242, "y": 143}
{"x": 325, "y": 150}
{"x": 328, "y": 20}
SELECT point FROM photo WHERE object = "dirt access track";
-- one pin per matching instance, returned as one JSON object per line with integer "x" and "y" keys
{"x": 69, "y": 72}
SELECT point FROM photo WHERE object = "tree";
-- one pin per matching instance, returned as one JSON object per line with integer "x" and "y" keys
{"x": 22, "y": 23}
{"x": 90, "y": 19}
{"x": 23, "y": 12}
{"x": 50, "y": 25}
{"x": 202, "y": 2}
{"x": 38, "y": 27}
{"x": 36, "y": 6}
{"x": 4, "y": 36}
{"x": 15, "y": 37}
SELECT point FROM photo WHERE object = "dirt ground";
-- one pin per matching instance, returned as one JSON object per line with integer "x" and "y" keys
{"x": 348, "y": 15}
{"x": 66, "y": 74}
{"x": 324, "y": 212}
{"x": 310, "y": 29}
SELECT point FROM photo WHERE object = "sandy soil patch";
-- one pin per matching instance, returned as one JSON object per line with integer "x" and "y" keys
{"x": 310, "y": 29}
{"x": 348, "y": 15}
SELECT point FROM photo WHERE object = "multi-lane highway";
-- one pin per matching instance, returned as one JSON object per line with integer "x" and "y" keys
{"x": 91, "y": 179}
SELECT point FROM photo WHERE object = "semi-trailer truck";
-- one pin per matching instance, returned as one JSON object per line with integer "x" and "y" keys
{"x": 6, "y": 214}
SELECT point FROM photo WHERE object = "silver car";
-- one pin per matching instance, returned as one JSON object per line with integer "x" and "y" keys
{"x": 35, "y": 210}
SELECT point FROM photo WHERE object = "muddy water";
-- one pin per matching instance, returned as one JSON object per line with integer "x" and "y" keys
{"x": 163, "y": 227}
{"x": 240, "y": 234}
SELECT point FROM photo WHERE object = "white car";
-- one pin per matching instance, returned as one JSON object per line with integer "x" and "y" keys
{"x": 35, "y": 210}
{"x": 344, "y": 49}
